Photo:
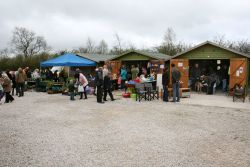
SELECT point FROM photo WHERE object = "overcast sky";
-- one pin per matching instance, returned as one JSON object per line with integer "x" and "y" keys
{"x": 66, "y": 24}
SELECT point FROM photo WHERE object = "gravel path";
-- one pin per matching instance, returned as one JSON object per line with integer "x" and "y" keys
{"x": 49, "y": 130}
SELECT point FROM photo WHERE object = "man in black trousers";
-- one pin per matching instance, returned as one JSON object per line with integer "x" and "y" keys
{"x": 107, "y": 87}
{"x": 99, "y": 85}
{"x": 176, "y": 75}
{"x": 165, "y": 82}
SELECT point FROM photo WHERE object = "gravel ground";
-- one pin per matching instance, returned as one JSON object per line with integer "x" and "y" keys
{"x": 49, "y": 130}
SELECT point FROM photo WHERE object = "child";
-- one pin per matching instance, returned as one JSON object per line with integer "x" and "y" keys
{"x": 119, "y": 81}
{"x": 71, "y": 88}
{"x": 137, "y": 79}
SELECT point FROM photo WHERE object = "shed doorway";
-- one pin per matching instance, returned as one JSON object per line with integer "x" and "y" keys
{"x": 218, "y": 69}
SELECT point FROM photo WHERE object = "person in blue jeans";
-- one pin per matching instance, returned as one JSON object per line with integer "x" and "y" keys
{"x": 224, "y": 75}
{"x": 176, "y": 75}
{"x": 165, "y": 81}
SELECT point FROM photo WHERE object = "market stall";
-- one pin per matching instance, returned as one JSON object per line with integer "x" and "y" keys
{"x": 148, "y": 64}
{"x": 68, "y": 60}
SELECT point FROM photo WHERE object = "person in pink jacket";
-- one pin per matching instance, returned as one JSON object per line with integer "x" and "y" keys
{"x": 82, "y": 80}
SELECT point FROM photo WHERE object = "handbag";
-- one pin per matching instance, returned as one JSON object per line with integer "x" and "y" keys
{"x": 80, "y": 88}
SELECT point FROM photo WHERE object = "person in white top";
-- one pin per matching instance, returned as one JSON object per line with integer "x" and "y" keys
{"x": 105, "y": 71}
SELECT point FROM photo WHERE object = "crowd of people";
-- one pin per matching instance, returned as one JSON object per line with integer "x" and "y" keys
{"x": 102, "y": 85}
{"x": 207, "y": 79}
{"x": 56, "y": 75}
{"x": 12, "y": 83}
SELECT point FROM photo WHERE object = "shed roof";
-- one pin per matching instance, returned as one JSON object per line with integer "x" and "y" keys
{"x": 214, "y": 44}
{"x": 154, "y": 55}
{"x": 96, "y": 57}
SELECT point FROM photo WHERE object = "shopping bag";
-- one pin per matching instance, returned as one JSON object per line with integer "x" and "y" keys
{"x": 87, "y": 89}
{"x": 80, "y": 88}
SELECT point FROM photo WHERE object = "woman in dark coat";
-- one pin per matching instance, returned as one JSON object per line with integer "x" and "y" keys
{"x": 165, "y": 82}
{"x": 7, "y": 88}
{"x": 13, "y": 79}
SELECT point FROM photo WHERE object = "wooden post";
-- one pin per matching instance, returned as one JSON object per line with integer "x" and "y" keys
{"x": 68, "y": 71}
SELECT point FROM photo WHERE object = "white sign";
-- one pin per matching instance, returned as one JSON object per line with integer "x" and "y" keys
{"x": 237, "y": 73}
{"x": 180, "y": 64}
{"x": 159, "y": 81}
{"x": 162, "y": 66}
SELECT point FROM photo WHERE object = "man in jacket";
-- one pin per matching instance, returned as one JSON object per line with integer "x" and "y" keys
{"x": 195, "y": 75}
{"x": 224, "y": 77}
{"x": 165, "y": 81}
{"x": 176, "y": 75}
{"x": 99, "y": 85}
{"x": 20, "y": 81}
{"x": 134, "y": 71}
{"x": 107, "y": 87}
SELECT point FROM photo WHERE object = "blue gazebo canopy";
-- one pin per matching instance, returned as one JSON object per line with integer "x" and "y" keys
{"x": 68, "y": 59}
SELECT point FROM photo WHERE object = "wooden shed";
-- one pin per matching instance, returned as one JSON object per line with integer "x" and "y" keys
{"x": 213, "y": 56}
{"x": 140, "y": 59}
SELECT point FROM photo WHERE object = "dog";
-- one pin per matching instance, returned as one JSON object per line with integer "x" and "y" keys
{"x": 199, "y": 84}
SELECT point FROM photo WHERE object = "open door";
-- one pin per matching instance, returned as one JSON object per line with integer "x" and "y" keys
{"x": 183, "y": 67}
{"x": 114, "y": 66}
{"x": 238, "y": 72}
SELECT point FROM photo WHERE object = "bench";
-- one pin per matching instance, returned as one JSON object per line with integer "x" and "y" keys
{"x": 184, "y": 92}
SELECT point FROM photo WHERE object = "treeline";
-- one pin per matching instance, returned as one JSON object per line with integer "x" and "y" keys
{"x": 28, "y": 49}
{"x": 13, "y": 63}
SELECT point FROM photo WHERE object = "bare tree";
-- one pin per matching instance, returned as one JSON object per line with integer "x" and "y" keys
{"x": 83, "y": 50}
{"x": 118, "y": 46}
{"x": 243, "y": 46}
{"x": 131, "y": 46}
{"x": 220, "y": 40}
{"x": 169, "y": 36}
{"x": 26, "y": 43}
{"x": 169, "y": 45}
{"x": 90, "y": 45}
{"x": 4, "y": 53}
{"x": 102, "y": 48}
